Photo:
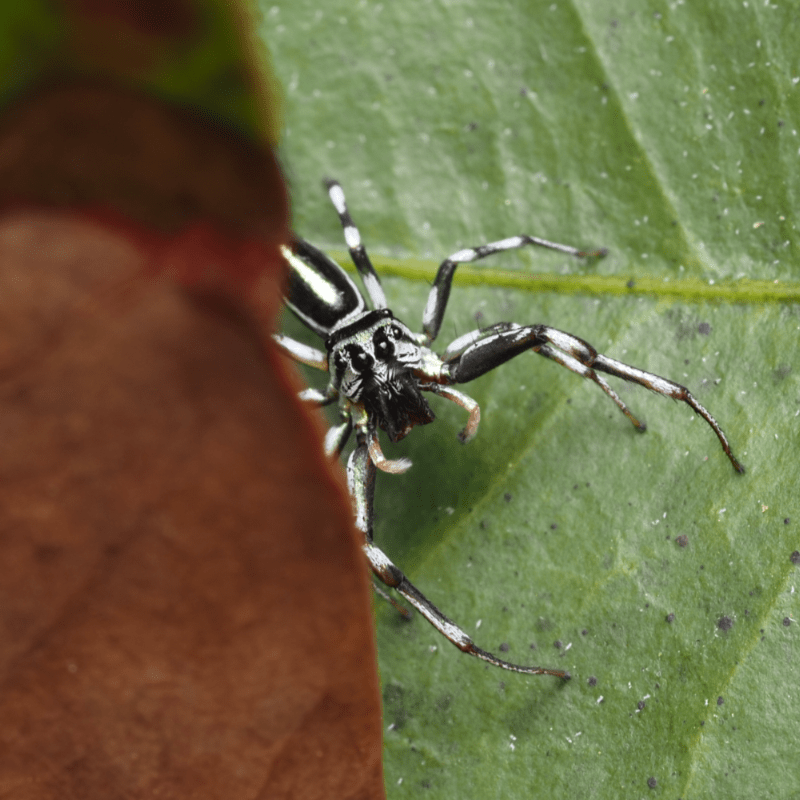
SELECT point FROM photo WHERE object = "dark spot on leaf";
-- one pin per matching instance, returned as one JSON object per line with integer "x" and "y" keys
{"x": 704, "y": 328}
{"x": 507, "y": 497}
{"x": 592, "y": 681}
{"x": 652, "y": 783}
{"x": 640, "y": 705}
{"x": 724, "y": 623}
{"x": 504, "y": 647}
{"x": 398, "y": 706}
{"x": 631, "y": 283}
{"x": 720, "y": 701}
{"x": 670, "y": 617}
{"x": 682, "y": 540}
{"x": 557, "y": 644}
{"x": 584, "y": 632}
{"x": 787, "y": 621}
{"x": 795, "y": 558}
{"x": 553, "y": 527}
{"x": 444, "y": 702}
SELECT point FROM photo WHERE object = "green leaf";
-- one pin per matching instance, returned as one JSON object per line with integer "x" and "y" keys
{"x": 668, "y": 134}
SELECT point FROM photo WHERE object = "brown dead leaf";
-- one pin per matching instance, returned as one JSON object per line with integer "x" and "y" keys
{"x": 184, "y": 609}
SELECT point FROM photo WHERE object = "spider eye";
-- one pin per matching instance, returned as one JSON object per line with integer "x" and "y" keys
{"x": 339, "y": 362}
{"x": 396, "y": 332}
{"x": 384, "y": 348}
{"x": 361, "y": 361}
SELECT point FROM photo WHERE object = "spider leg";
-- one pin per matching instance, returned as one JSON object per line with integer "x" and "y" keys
{"x": 301, "y": 352}
{"x": 313, "y": 358}
{"x": 361, "y": 473}
{"x": 402, "y": 610}
{"x": 330, "y": 395}
{"x": 586, "y": 372}
{"x": 358, "y": 252}
{"x": 337, "y": 436}
{"x": 440, "y": 291}
{"x": 496, "y": 345}
{"x": 394, "y": 465}
{"x": 466, "y": 402}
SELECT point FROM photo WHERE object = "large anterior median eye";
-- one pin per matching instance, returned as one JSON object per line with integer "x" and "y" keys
{"x": 384, "y": 347}
{"x": 360, "y": 360}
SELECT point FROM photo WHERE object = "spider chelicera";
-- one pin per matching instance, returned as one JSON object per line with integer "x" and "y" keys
{"x": 379, "y": 370}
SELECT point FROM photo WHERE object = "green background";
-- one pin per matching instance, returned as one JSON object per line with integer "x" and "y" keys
{"x": 667, "y": 133}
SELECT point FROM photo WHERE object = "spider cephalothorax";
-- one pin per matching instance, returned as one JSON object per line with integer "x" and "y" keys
{"x": 372, "y": 362}
{"x": 379, "y": 369}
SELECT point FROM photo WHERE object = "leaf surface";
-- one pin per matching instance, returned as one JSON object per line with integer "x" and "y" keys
{"x": 668, "y": 135}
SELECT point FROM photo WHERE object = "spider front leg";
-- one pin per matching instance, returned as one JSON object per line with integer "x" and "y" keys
{"x": 357, "y": 250}
{"x": 361, "y": 473}
{"x": 337, "y": 435}
{"x": 481, "y": 351}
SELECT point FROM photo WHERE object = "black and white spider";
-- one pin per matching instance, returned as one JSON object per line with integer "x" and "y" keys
{"x": 379, "y": 370}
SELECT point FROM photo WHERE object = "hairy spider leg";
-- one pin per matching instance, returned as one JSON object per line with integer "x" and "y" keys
{"x": 440, "y": 291}
{"x": 477, "y": 353}
{"x": 358, "y": 252}
{"x": 361, "y": 481}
